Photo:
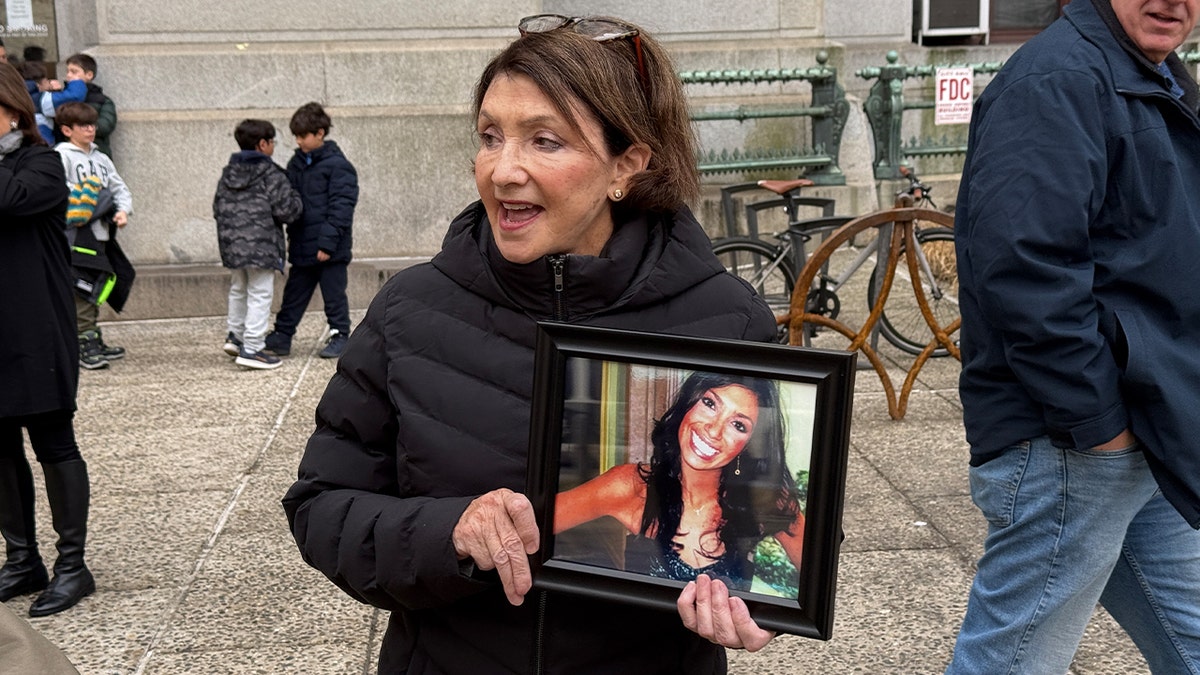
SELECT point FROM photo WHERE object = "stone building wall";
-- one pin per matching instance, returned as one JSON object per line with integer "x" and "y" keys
{"x": 396, "y": 78}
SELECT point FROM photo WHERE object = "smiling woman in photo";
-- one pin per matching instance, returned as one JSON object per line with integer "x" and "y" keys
{"x": 716, "y": 485}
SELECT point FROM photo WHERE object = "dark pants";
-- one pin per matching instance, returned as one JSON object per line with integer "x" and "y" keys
{"x": 51, "y": 434}
{"x": 87, "y": 314}
{"x": 302, "y": 280}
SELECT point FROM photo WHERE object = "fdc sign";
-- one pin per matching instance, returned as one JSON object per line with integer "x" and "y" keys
{"x": 954, "y": 90}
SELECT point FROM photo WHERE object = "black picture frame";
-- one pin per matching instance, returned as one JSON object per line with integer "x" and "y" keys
{"x": 592, "y": 386}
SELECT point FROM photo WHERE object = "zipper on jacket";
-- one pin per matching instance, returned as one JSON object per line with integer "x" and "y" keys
{"x": 558, "y": 264}
{"x": 538, "y": 637}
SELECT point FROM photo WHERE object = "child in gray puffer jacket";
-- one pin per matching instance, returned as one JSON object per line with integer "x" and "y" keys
{"x": 254, "y": 200}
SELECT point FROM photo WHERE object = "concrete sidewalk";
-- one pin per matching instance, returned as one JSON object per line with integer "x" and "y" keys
{"x": 197, "y": 573}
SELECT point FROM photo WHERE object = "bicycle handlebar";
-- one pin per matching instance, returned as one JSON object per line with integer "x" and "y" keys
{"x": 916, "y": 189}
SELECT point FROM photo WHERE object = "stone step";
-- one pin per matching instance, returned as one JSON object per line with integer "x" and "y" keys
{"x": 175, "y": 291}
{"x": 165, "y": 291}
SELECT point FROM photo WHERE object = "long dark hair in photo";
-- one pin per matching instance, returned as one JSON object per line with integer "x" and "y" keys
{"x": 757, "y": 494}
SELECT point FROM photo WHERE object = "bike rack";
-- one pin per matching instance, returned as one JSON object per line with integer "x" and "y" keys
{"x": 900, "y": 219}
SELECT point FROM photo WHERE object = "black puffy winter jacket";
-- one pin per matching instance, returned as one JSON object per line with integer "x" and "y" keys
{"x": 328, "y": 186}
{"x": 430, "y": 408}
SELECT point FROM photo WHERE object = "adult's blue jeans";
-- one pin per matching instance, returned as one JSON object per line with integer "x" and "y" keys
{"x": 1069, "y": 528}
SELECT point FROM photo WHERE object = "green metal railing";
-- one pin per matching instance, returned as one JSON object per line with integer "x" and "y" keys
{"x": 885, "y": 106}
{"x": 828, "y": 111}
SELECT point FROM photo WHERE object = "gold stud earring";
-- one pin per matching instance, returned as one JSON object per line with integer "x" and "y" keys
{"x": 618, "y": 194}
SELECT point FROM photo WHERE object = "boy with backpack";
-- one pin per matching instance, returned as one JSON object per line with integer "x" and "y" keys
{"x": 92, "y": 224}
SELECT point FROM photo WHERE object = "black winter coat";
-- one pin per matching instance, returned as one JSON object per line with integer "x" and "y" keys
{"x": 430, "y": 408}
{"x": 106, "y": 117}
{"x": 253, "y": 201}
{"x": 39, "y": 355}
{"x": 328, "y": 185}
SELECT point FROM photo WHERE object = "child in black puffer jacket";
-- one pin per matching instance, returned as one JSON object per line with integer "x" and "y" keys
{"x": 319, "y": 243}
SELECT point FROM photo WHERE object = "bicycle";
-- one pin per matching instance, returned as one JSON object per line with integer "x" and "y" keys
{"x": 902, "y": 323}
{"x": 773, "y": 268}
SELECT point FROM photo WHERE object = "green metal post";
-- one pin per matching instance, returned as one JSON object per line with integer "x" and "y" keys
{"x": 884, "y": 108}
{"x": 827, "y": 128}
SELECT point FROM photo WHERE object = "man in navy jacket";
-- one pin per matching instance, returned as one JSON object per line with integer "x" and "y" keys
{"x": 1078, "y": 235}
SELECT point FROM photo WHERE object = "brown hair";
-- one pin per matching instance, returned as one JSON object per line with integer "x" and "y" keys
{"x": 601, "y": 79}
{"x": 250, "y": 131}
{"x": 33, "y": 70}
{"x": 75, "y": 112}
{"x": 15, "y": 98}
{"x": 85, "y": 62}
{"x": 309, "y": 119}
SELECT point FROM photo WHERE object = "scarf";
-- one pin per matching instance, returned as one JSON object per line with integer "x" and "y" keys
{"x": 1165, "y": 71}
{"x": 9, "y": 142}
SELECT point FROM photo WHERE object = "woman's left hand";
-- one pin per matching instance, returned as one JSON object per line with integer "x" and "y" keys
{"x": 708, "y": 610}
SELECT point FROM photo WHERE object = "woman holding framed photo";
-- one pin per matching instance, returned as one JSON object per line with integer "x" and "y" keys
{"x": 410, "y": 494}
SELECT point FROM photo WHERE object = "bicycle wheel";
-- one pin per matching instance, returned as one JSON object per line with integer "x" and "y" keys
{"x": 765, "y": 267}
{"x": 901, "y": 322}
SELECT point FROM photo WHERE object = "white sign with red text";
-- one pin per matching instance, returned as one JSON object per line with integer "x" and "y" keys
{"x": 954, "y": 90}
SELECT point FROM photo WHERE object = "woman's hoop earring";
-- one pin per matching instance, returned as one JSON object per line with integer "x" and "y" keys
{"x": 618, "y": 194}
{"x": 737, "y": 470}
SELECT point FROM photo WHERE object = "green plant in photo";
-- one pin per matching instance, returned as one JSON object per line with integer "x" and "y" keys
{"x": 772, "y": 568}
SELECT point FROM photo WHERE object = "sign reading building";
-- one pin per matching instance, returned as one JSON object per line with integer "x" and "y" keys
{"x": 954, "y": 90}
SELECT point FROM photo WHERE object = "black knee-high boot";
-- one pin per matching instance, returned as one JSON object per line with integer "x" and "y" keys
{"x": 69, "y": 494}
{"x": 23, "y": 571}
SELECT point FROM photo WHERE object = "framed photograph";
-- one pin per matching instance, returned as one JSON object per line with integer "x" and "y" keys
{"x": 656, "y": 458}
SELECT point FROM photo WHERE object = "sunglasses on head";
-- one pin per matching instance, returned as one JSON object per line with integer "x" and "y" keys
{"x": 600, "y": 30}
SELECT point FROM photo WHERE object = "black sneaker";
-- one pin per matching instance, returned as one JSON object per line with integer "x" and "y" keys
{"x": 278, "y": 344}
{"x": 334, "y": 347}
{"x": 233, "y": 346}
{"x": 90, "y": 357}
{"x": 109, "y": 352}
{"x": 257, "y": 360}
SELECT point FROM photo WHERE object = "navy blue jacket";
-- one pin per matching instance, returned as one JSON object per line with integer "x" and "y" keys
{"x": 328, "y": 186}
{"x": 1078, "y": 235}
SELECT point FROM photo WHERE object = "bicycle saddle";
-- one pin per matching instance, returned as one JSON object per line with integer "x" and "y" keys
{"x": 782, "y": 187}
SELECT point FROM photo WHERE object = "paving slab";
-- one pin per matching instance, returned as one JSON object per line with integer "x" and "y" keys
{"x": 877, "y": 517}
{"x": 196, "y": 571}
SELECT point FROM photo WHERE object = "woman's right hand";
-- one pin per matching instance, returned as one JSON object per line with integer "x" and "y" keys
{"x": 708, "y": 610}
{"x": 499, "y": 531}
